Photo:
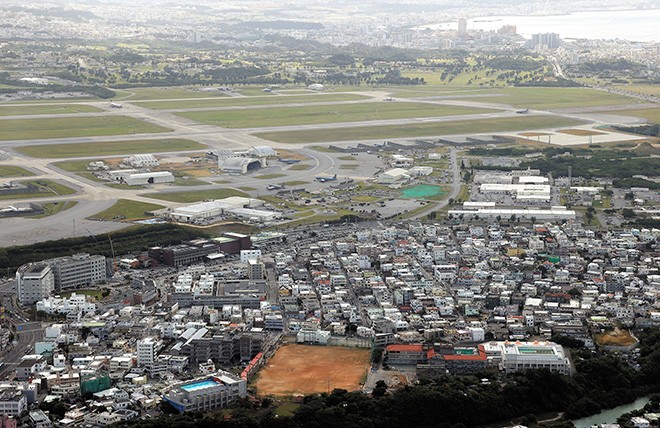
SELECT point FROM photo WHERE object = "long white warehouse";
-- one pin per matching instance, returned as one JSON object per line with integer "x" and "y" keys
{"x": 523, "y": 214}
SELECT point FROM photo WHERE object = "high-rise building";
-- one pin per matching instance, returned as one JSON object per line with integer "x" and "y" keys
{"x": 256, "y": 269}
{"x": 34, "y": 281}
{"x": 462, "y": 27}
{"x": 507, "y": 30}
{"x": 545, "y": 40}
{"x": 147, "y": 350}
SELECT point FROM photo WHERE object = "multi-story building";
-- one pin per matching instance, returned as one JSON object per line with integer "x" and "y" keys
{"x": 408, "y": 354}
{"x": 78, "y": 271}
{"x": 8, "y": 422}
{"x": 458, "y": 361}
{"x": 35, "y": 281}
{"x": 38, "y": 419}
{"x": 206, "y": 393}
{"x": 517, "y": 356}
{"x": 147, "y": 350}
{"x": 183, "y": 254}
{"x": 548, "y": 40}
{"x": 250, "y": 254}
{"x": 12, "y": 402}
{"x": 221, "y": 348}
{"x": 256, "y": 269}
{"x": 27, "y": 367}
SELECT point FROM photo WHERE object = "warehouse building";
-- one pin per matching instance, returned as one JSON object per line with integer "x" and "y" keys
{"x": 514, "y": 189}
{"x": 239, "y": 165}
{"x": 234, "y": 206}
{"x": 144, "y": 178}
{"x": 142, "y": 161}
{"x": 553, "y": 214}
{"x": 395, "y": 175}
{"x": 262, "y": 152}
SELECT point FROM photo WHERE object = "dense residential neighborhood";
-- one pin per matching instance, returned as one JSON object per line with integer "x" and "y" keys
{"x": 432, "y": 299}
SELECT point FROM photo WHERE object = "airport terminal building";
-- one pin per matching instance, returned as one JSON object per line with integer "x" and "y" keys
{"x": 206, "y": 393}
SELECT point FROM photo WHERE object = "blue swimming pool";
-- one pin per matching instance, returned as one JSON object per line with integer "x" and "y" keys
{"x": 199, "y": 385}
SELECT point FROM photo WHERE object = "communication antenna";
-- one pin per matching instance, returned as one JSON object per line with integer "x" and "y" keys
{"x": 112, "y": 250}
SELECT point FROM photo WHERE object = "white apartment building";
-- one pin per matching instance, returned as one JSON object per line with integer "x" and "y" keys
{"x": 12, "y": 402}
{"x": 147, "y": 350}
{"x": 35, "y": 281}
{"x": 250, "y": 254}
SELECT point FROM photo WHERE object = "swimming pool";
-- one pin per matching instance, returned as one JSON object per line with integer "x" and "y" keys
{"x": 199, "y": 385}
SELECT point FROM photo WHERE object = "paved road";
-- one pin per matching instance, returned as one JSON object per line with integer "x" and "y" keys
{"x": 26, "y": 336}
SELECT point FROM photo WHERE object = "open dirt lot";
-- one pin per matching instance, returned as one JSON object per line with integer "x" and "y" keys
{"x": 306, "y": 369}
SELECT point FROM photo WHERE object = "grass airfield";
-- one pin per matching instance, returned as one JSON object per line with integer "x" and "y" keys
{"x": 56, "y": 140}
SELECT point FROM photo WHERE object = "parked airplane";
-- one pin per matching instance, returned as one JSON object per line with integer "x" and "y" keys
{"x": 324, "y": 179}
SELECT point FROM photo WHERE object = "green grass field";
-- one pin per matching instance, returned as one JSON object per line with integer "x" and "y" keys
{"x": 78, "y": 168}
{"x": 419, "y": 130}
{"x": 165, "y": 93}
{"x": 196, "y": 196}
{"x": 311, "y": 115}
{"x": 250, "y": 101}
{"x": 94, "y": 294}
{"x": 53, "y": 208}
{"x": 43, "y": 188}
{"x": 642, "y": 89}
{"x": 254, "y": 91}
{"x": 551, "y": 98}
{"x": 650, "y": 114}
{"x": 128, "y": 210}
{"x": 46, "y": 109}
{"x": 7, "y": 171}
{"x": 432, "y": 90}
{"x": 68, "y": 127}
{"x": 109, "y": 148}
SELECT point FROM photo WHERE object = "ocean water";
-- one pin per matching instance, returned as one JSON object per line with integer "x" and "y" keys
{"x": 635, "y": 25}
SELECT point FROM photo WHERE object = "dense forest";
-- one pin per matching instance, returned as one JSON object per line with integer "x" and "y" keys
{"x": 123, "y": 242}
{"x": 592, "y": 162}
{"x": 600, "y": 381}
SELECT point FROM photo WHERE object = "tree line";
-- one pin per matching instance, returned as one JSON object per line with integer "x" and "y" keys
{"x": 601, "y": 381}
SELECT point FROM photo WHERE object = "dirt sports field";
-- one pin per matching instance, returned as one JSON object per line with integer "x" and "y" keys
{"x": 306, "y": 369}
